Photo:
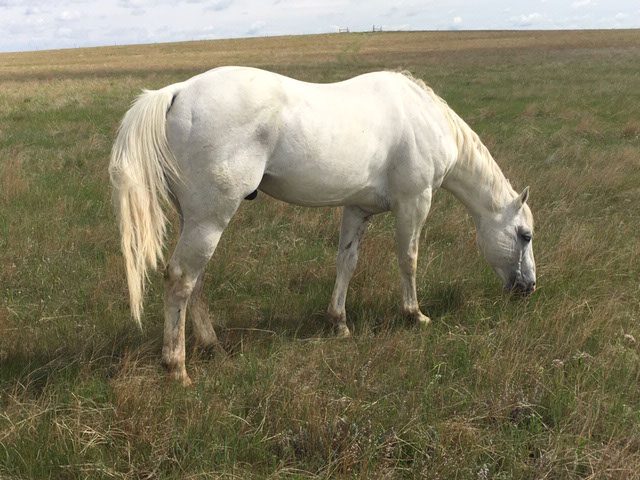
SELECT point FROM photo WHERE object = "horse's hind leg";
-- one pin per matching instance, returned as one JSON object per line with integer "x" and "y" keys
{"x": 205, "y": 218}
{"x": 410, "y": 216}
{"x": 354, "y": 224}
{"x": 197, "y": 309}
{"x": 196, "y": 245}
{"x": 200, "y": 318}
{"x": 215, "y": 191}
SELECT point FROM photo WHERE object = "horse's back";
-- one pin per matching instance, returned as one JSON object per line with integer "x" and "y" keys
{"x": 318, "y": 144}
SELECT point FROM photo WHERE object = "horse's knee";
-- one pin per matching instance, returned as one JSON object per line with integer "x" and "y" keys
{"x": 177, "y": 282}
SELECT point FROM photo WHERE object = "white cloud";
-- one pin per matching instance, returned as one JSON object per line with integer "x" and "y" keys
{"x": 392, "y": 11}
{"x": 455, "y": 23}
{"x": 256, "y": 27}
{"x": 219, "y": 5}
{"x": 581, "y": 3}
{"x": 206, "y": 33}
{"x": 64, "y": 32}
{"x": 32, "y": 11}
{"x": 527, "y": 20}
{"x": 131, "y": 3}
{"x": 68, "y": 15}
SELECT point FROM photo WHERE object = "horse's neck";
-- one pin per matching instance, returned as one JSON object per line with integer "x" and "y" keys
{"x": 476, "y": 179}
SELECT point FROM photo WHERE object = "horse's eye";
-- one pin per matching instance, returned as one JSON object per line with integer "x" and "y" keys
{"x": 526, "y": 237}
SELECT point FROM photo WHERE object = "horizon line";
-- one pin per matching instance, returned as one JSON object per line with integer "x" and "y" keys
{"x": 378, "y": 32}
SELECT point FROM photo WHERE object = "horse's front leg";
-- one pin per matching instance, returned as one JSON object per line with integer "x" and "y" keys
{"x": 354, "y": 224}
{"x": 410, "y": 216}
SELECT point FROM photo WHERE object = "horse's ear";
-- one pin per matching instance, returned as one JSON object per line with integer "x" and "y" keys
{"x": 523, "y": 197}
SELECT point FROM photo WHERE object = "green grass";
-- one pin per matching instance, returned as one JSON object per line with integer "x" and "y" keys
{"x": 500, "y": 388}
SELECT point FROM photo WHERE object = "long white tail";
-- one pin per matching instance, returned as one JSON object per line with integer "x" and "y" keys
{"x": 141, "y": 164}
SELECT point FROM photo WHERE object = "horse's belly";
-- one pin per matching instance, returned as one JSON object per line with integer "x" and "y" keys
{"x": 323, "y": 185}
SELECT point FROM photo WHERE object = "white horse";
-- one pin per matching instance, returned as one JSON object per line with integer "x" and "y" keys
{"x": 375, "y": 143}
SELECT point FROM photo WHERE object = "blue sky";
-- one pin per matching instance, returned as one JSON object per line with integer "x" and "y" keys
{"x": 43, "y": 24}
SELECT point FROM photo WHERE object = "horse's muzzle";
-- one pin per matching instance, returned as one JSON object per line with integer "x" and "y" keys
{"x": 523, "y": 288}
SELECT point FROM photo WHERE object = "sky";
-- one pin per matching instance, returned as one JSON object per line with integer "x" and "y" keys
{"x": 45, "y": 24}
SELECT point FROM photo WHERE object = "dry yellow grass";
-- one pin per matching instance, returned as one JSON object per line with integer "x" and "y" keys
{"x": 388, "y": 49}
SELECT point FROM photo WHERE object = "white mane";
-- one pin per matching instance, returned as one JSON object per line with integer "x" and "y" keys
{"x": 473, "y": 155}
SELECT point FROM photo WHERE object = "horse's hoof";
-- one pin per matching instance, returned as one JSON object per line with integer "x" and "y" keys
{"x": 342, "y": 331}
{"x": 180, "y": 378}
{"x": 177, "y": 374}
{"x": 422, "y": 320}
{"x": 214, "y": 349}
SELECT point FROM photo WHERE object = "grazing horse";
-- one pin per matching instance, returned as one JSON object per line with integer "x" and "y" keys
{"x": 378, "y": 142}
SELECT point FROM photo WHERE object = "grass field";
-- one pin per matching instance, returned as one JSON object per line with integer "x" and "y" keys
{"x": 497, "y": 388}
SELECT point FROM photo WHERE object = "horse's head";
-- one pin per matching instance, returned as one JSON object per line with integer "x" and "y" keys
{"x": 506, "y": 240}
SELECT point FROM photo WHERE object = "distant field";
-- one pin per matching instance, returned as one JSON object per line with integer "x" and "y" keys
{"x": 497, "y": 388}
